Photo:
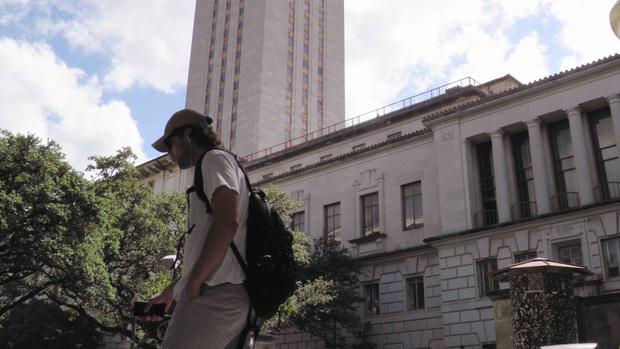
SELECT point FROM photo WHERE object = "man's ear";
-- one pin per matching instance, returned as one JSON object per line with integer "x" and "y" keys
{"x": 187, "y": 134}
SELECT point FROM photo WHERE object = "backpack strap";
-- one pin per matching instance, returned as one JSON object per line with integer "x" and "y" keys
{"x": 198, "y": 179}
{"x": 198, "y": 183}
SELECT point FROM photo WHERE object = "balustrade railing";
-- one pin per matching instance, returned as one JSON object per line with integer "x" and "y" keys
{"x": 403, "y": 103}
{"x": 564, "y": 201}
{"x": 607, "y": 191}
{"x": 523, "y": 209}
{"x": 484, "y": 218}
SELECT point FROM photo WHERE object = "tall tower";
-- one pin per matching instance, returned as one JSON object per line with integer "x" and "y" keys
{"x": 267, "y": 71}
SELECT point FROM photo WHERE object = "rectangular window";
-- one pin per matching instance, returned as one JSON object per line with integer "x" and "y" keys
{"x": 411, "y": 196}
{"x": 297, "y": 221}
{"x": 525, "y": 256}
{"x": 371, "y": 296}
{"x": 486, "y": 284}
{"x": 563, "y": 167}
{"x": 607, "y": 162}
{"x": 370, "y": 214}
{"x": 332, "y": 221}
{"x": 415, "y": 293}
{"x": 611, "y": 254}
{"x": 488, "y": 214}
{"x": 570, "y": 253}
{"x": 526, "y": 205}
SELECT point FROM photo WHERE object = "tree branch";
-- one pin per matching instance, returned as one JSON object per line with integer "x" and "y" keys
{"x": 26, "y": 297}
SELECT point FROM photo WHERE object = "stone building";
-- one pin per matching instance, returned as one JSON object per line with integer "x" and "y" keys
{"x": 267, "y": 71}
{"x": 434, "y": 195}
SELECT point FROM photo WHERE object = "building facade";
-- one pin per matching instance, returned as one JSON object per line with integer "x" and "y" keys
{"x": 267, "y": 72}
{"x": 435, "y": 195}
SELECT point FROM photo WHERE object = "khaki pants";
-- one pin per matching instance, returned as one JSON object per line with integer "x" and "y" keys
{"x": 213, "y": 320}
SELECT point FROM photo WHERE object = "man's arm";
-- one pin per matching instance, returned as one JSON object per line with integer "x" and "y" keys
{"x": 225, "y": 208}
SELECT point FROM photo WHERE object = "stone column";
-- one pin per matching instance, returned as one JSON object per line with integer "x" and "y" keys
{"x": 538, "y": 167}
{"x": 501, "y": 178}
{"x": 614, "y": 106}
{"x": 584, "y": 179}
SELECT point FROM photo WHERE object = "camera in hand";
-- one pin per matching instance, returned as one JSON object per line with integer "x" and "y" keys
{"x": 158, "y": 309}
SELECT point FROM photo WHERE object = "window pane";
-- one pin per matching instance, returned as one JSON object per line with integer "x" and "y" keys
{"x": 371, "y": 296}
{"x": 370, "y": 213}
{"x": 415, "y": 293}
{"x": 570, "y": 254}
{"x": 411, "y": 205}
{"x": 418, "y": 216}
{"x": 297, "y": 221}
{"x": 486, "y": 284}
{"x": 603, "y": 128}
{"x": 332, "y": 221}
{"x": 611, "y": 253}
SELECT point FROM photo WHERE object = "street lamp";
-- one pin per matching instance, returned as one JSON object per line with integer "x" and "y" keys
{"x": 614, "y": 18}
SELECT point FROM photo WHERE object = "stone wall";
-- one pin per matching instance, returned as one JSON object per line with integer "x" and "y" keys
{"x": 599, "y": 320}
{"x": 396, "y": 326}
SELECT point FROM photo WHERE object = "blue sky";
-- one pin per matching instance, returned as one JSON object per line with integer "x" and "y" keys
{"x": 98, "y": 75}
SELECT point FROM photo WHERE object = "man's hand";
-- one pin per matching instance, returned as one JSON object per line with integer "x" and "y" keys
{"x": 166, "y": 296}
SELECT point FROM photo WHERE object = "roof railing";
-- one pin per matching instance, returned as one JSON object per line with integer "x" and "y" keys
{"x": 392, "y": 107}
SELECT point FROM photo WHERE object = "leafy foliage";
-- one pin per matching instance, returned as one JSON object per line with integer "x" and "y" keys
{"x": 331, "y": 313}
{"x": 47, "y": 212}
{"x": 40, "y": 324}
{"x": 90, "y": 246}
{"x": 325, "y": 302}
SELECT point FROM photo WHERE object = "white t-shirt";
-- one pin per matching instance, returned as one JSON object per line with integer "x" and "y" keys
{"x": 219, "y": 168}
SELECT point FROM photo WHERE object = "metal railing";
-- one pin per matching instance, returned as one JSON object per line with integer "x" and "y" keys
{"x": 484, "y": 218}
{"x": 564, "y": 201}
{"x": 607, "y": 191}
{"x": 402, "y": 104}
{"x": 523, "y": 209}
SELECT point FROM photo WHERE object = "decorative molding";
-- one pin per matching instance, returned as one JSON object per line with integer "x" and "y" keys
{"x": 573, "y": 111}
{"x": 613, "y": 99}
{"x": 497, "y": 134}
{"x": 533, "y": 123}
{"x": 447, "y": 134}
{"x": 368, "y": 179}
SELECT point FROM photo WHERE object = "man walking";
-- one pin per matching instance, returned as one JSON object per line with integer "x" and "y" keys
{"x": 211, "y": 301}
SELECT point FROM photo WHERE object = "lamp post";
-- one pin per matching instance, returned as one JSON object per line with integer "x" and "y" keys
{"x": 614, "y": 18}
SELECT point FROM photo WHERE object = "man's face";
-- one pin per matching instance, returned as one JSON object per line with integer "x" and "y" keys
{"x": 179, "y": 150}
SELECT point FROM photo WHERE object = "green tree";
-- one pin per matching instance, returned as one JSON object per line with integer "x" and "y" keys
{"x": 325, "y": 303}
{"x": 137, "y": 230}
{"x": 331, "y": 312}
{"x": 91, "y": 246}
{"x": 40, "y": 324}
{"x": 47, "y": 212}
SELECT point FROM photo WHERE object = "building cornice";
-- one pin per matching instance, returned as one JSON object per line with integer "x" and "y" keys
{"x": 534, "y": 87}
{"x": 368, "y": 126}
{"x": 548, "y": 218}
{"x": 349, "y": 156}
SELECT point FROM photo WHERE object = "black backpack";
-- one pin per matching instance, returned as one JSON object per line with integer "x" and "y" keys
{"x": 270, "y": 269}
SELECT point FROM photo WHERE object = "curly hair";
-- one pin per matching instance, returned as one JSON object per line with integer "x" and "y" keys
{"x": 202, "y": 135}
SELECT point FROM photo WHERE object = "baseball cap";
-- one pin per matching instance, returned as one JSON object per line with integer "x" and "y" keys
{"x": 184, "y": 117}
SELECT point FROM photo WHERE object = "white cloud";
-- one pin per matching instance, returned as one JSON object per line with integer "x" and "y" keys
{"x": 147, "y": 43}
{"x": 44, "y": 96}
{"x": 492, "y": 57}
{"x": 406, "y": 47}
{"x": 586, "y": 31}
